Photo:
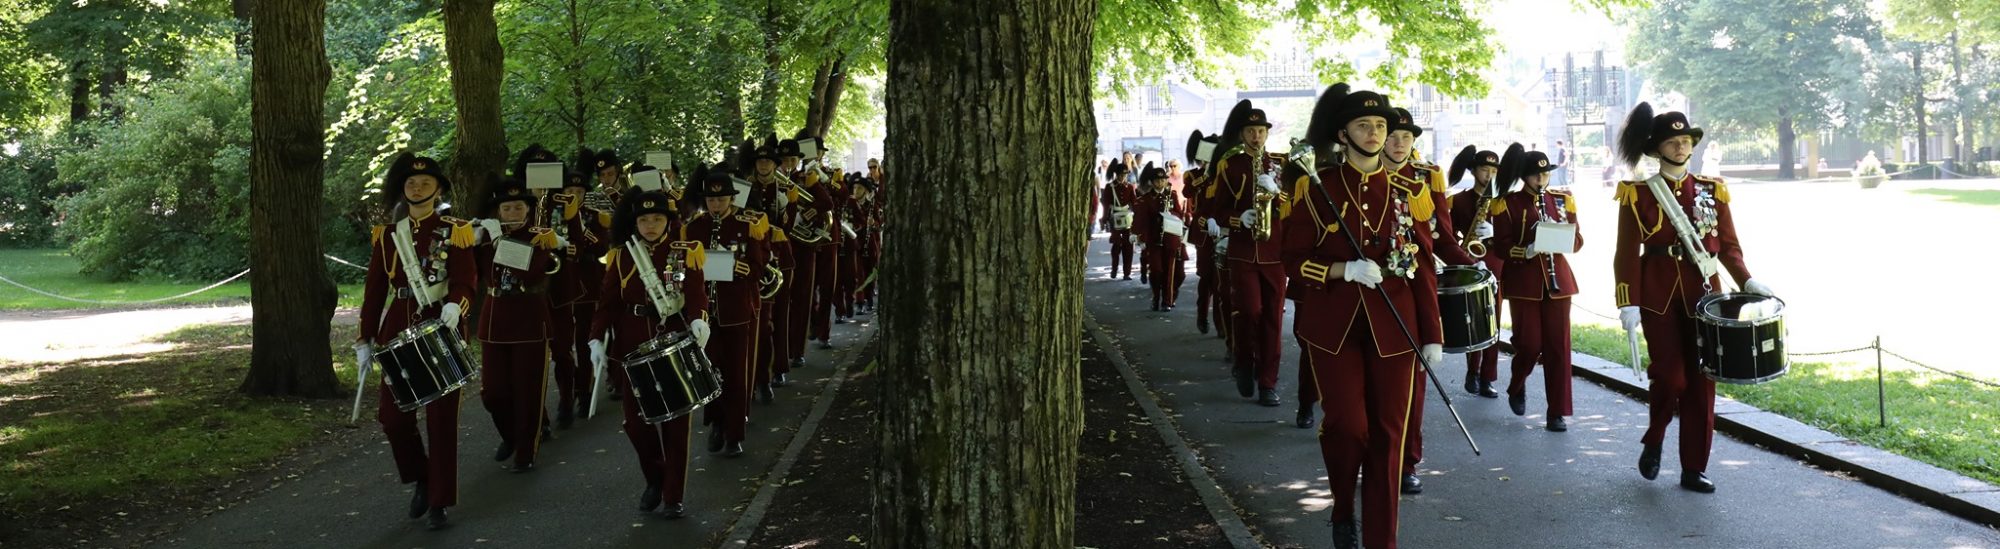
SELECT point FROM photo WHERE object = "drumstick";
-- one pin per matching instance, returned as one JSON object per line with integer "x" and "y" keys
{"x": 1632, "y": 346}
{"x": 360, "y": 383}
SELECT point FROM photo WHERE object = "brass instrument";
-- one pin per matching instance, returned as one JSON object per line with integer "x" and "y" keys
{"x": 555, "y": 207}
{"x": 1471, "y": 242}
{"x": 1264, "y": 199}
{"x": 772, "y": 281}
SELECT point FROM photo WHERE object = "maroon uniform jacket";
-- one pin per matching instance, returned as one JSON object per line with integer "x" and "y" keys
{"x": 1193, "y": 194}
{"x": 588, "y": 231}
{"x": 745, "y": 236}
{"x": 1231, "y": 193}
{"x": 1442, "y": 232}
{"x": 516, "y": 309}
{"x": 1389, "y": 222}
{"x": 1513, "y": 217}
{"x": 1153, "y": 210}
{"x": 623, "y": 309}
{"x": 1116, "y": 194}
{"x": 387, "y": 305}
{"x": 1647, "y": 269}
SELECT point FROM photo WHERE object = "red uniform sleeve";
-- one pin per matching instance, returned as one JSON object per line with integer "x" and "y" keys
{"x": 1430, "y": 325}
{"x": 1449, "y": 250}
{"x": 694, "y": 291}
{"x": 375, "y": 290}
{"x": 610, "y": 299}
{"x": 462, "y": 270}
{"x": 1625, "y": 259}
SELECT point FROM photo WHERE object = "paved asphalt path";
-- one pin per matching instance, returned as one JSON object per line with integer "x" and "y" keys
{"x": 584, "y": 491}
{"x": 1531, "y": 489}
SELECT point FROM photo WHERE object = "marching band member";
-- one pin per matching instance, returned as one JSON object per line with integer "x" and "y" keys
{"x": 723, "y": 229}
{"x": 1469, "y": 209}
{"x": 1410, "y": 172}
{"x": 1169, "y": 254}
{"x": 626, "y": 317}
{"x": 1119, "y": 195}
{"x": 514, "y": 321}
{"x": 771, "y": 197}
{"x": 573, "y": 291}
{"x": 1351, "y": 302}
{"x": 1659, "y": 282}
{"x": 1244, "y": 195}
{"x": 610, "y": 173}
{"x": 1538, "y": 285}
{"x": 389, "y": 305}
{"x": 868, "y": 231}
{"x": 1207, "y": 281}
{"x": 815, "y": 243}
{"x": 853, "y": 216}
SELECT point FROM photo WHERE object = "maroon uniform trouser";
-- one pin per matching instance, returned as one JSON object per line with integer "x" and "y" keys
{"x": 1259, "y": 300}
{"x": 431, "y": 458}
{"x": 1121, "y": 252}
{"x": 1205, "y": 282}
{"x": 662, "y": 447}
{"x": 513, "y": 379}
{"x": 1367, "y": 404}
{"x": 1541, "y": 334}
{"x": 1169, "y": 271}
{"x": 864, "y": 268}
{"x": 773, "y": 354}
{"x": 1413, "y": 448}
{"x": 1678, "y": 386}
{"x": 1225, "y": 309}
{"x": 803, "y": 282}
{"x": 731, "y": 349}
{"x": 1484, "y": 363}
{"x": 826, "y": 276}
{"x": 844, "y": 289}
{"x": 570, "y": 324}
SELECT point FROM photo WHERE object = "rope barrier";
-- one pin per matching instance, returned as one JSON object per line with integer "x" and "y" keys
{"x": 151, "y": 301}
{"x": 1790, "y": 354}
{"x": 1960, "y": 376}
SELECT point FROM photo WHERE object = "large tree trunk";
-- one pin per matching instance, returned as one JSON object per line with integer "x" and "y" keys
{"x": 816, "y": 101}
{"x": 472, "y": 44}
{"x": 830, "y": 106}
{"x": 579, "y": 96}
{"x": 732, "y": 98}
{"x": 1923, "y": 128}
{"x": 79, "y": 92}
{"x": 1966, "y": 100}
{"x": 980, "y": 351}
{"x": 291, "y": 297}
{"x": 1787, "y": 145}
{"x": 764, "y": 113}
{"x": 241, "y": 9}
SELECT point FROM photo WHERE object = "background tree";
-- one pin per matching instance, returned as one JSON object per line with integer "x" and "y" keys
{"x": 291, "y": 296}
{"x": 472, "y": 44}
{"x": 1966, "y": 32}
{"x": 980, "y": 341}
{"x": 102, "y": 45}
{"x": 1753, "y": 65}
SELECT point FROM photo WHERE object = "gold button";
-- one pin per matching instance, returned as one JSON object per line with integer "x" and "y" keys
{"x": 1364, "y": 207}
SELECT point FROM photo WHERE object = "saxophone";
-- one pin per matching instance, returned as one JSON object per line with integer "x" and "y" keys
{"x": 1471, "y": 242}
{"x": 1263, "y": 200}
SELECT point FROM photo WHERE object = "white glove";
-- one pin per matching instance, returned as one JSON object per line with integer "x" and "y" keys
{"x": 784, "y": 199}
{"x": 1268, "y": 183}
{"x": 450, "y": 315}
{"x": 1481, "y": 265}
{"x": 562, "y": 243}
{"x": 1363, "y": 272}
{"x": 492, "y": 229}
{"x": 1213, "y": 227}
{"x": 364, "y": 353}
{"x": 597, "y": 356}
{"x": 699, "y": 328}
{"x": 1433, "y": 354}
{"x": 1628, "y": 316}
{"x": 1755, "y": 287}
{"x": 1249, "y": 217}
{"x": 1485, "y": 230}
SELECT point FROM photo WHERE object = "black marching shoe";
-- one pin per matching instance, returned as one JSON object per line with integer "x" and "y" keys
{"x": 765, "y": 395}
{"x": 420, "y": 502}
{"x": 1306, "y": 419}
{"x": 715, "y": 439}
{"x": 506, "y": 450}
{"x": 1697, "y": 482}
{"x": 825, "y": 344}
{"x": 1345, "y": 534}
{"x": 782, "y": 380}
{"x": 1244, "y": 384}
{"x": 798, "y": 363}
{"x": 732, "y": 449}
{"x": 436, "y": 520}
{"x": 582, "y": 407}
{"x": 1556, "y": 424}
{"x": 839, "y": 320}
{"x": 1201, "y": 324}
{"x": 1518, "y": 403}
{"x": 1471, "y": 381}
{"x": 674, "y": 511}
{"x": 1156, "y": 306}
{"x": 1267, "y": 397}
{"x": 650, "y": 499}
{"x": 1649, "y": 462}
{"x": 1486, "y": 390}
{"x": 565, "y": 418}
{"x": 1170, "y": 308}
{"x": 528, "y": 467}
{"x": 1412, "y": 485}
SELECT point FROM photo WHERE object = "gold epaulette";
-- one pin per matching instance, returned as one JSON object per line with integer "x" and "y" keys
{"x": 462, "y": 234}
{"x": 695, "y": 257}
{"x": 604, "y": 219}
{"x": 778, "y": 235}
{"x": 375, "y": 234}
{"x": 1437, "y": 181}
{"x": 1421, "y": 206}
{"x": 1628, "y": 192}
{"x": 1568, "y": 205}
{"x": 611, "y": 257}
{"x": 760, "y": 226}
{"x": 1496, "y": 207}
{"x": 1721, "y": 189}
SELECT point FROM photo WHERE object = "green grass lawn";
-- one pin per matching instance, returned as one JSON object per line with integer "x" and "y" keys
{"x": 1963, "y": 196}
{"x": 1933, "y": 418}
{"x": 164, "y": 424}
{"x": 55, "y": 271}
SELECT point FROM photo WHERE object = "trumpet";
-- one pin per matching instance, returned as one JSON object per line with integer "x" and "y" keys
{"x": 772, "y": 281}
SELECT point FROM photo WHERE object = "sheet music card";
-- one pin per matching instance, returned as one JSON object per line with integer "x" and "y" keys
{"x": 513, "y": 254}
{"x": 545, "y": 175}
{"x": 648, "y": 180}
{"x": 1555, "y": 238}
{"x": 720, "y": 266}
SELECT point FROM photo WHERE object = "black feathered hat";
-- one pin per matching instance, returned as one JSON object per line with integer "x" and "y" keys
{"x": 1116, "y": 169}
{"x": 714, "y": 180}
{"x": 1403, "y": 121}
{"x": 769, "y": 150}
{"x": 534, "y": 154}
{"x": 1469, "y": 158}
{"x": 1241, "y": 116}
{"x": 406, "y": 166}
{"x": 1151, "y": 173}
{"x": 1193, "y": 145}
{"x": 581, "y": 172}
{"x": 1534, "y": 162}
{"x": 625, "y": 223}
{"x": 1363, "y": 103}
{"x": 1320, "y": 131}
{"x": 1644, "y": 131}
{"x": 605, "y": 159}
{"x": 1510, "y": 167}
{"x": 506, "y": 190}
{"x": 789, "y": 148}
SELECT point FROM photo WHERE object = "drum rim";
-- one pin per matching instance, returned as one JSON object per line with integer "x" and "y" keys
{"x": 1476, "y": 347}
{"x": 1482, "y": 286}
{"x": 1746, "y": 381}
{"x": 1701, "y": 311}
{"x": 423, "y": 328}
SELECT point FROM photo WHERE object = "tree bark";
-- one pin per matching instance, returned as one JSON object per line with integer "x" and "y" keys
{"x": 1966, "y": 99}
{"x": 578, "y": 95}
{"x": 830, "y": 108}
{"x": 732, "y": 98}
{"x": 1787, "y": 144}
{"x": 1923, "y": 128}
{"x": 472, "y": 44}
{"x": 291, "y": 296}
{"x": 79, "y": 92}
{"x": 242, "y": 9}
{"x": 764, "y": 113}
{"x": 981, "y": 339}
{"x": 816, "y": 102}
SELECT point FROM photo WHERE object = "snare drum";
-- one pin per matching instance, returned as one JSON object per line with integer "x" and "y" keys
{"x": 426, "y": 362}
{"x": 671, "y": 377}
{"x": 1741, "y": 339}
{"x": 1466, "y": 304}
